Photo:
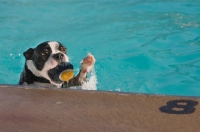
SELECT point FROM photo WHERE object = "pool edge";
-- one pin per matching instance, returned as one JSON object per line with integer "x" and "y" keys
{"x": 81, "y": 110}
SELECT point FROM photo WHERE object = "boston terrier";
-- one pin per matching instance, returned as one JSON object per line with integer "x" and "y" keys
{"x": 46, "y": 56}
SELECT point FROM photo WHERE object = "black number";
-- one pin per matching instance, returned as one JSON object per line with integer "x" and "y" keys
{"x": 179, "y": 107}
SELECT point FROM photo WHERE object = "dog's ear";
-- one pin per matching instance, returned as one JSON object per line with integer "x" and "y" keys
{"x": 28, "y": 54}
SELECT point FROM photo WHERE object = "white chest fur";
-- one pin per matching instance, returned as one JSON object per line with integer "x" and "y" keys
{"x": 44, "y": 85}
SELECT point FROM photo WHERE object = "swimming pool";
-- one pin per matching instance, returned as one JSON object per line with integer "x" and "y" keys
{"x": 140, "y": 46}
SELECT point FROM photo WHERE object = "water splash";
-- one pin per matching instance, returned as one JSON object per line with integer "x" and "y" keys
{"x": 91, "y": 83}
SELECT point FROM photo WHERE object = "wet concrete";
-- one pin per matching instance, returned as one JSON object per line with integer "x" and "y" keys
{"x": 24, "y": 109}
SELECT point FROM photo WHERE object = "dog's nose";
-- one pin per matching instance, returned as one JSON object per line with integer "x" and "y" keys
{"x": 58, "y": 56}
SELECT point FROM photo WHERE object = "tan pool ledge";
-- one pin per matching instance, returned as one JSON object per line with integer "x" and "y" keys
{"x": 26, "y": 109}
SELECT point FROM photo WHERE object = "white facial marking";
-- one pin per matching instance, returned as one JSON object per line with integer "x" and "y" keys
{"x": 54, "y": 47}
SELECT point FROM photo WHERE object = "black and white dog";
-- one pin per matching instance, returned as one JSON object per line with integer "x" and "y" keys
{"x": 46, "y": 56}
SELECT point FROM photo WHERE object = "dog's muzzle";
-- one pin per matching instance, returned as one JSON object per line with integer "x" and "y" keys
{"x": 59, "y": 57}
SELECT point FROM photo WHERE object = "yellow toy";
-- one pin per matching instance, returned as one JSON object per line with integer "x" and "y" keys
{"x": 66, "y": 75}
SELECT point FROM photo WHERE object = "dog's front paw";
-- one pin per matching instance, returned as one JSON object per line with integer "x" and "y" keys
{"x": 87, "y": 63}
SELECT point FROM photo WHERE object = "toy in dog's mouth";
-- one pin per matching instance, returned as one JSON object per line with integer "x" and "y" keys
{"x": 61, "y": 73}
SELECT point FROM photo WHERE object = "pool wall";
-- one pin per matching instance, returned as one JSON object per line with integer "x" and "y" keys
{"x": 41, "y": 109}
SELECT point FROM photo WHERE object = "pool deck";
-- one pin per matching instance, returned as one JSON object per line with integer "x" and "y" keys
{"x": 24, "y": 109}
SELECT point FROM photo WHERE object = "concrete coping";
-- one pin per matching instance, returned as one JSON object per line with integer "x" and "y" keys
{"x": 56, "y": 110}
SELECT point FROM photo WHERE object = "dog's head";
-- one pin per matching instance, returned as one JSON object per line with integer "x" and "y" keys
{"x": 44, "y": 57}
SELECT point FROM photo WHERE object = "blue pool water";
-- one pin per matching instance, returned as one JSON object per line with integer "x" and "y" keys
{"x": 141, "y": 46}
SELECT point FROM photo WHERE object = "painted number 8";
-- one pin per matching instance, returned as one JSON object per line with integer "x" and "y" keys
{"x": 179, "y": 107}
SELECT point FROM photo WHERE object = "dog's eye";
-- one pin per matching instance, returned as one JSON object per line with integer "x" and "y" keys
{"x": 45, "y": 53}
{"x": 63, "y": 49}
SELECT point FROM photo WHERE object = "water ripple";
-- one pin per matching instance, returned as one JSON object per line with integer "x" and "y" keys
{"x": 183, "y": 69}
{"x": 195, "y": 41}
{"x": 195, "y": 78}
{"x": 179, "y": 67}
{"x": 162, "y": 54}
